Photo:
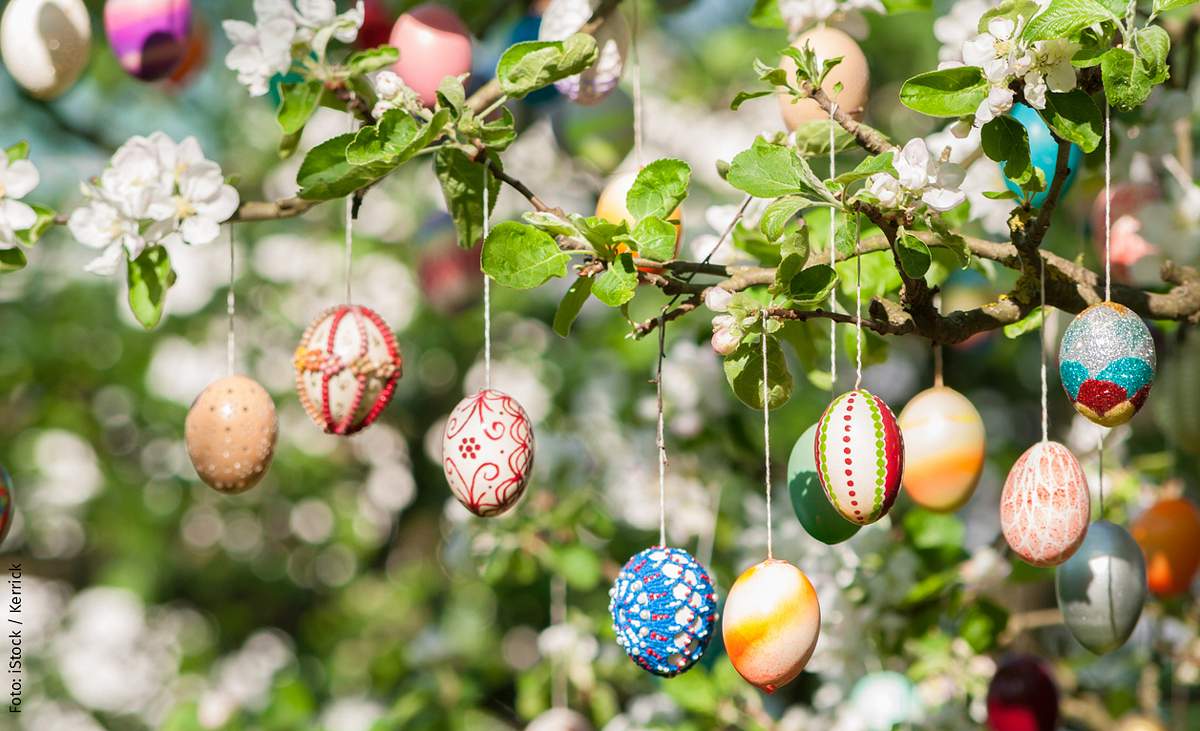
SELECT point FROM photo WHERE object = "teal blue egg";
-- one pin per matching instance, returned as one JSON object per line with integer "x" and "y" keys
{"x": 809, "y": 501}
{"x": 1102, "y": 588}
{"x": 1043, "y": 152}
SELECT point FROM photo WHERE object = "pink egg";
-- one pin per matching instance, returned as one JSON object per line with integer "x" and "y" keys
{"x": 860, "y": 456}
{"x": 1045, "y": 506}
{"x": 148, "y": 37}
{"x": 433, "y": 44}
{"x": 487, "y": 452}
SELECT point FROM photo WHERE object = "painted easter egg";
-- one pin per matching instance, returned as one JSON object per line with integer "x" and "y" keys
{"x": 559, "y": 719}
{"x": 1101, "y": 589}
{"x": 1106, "y": 362}
{"x": 487, "y": 452}
{"x": 1045, "y": 505}
{"x": 943, "y": 449}
{"x": 664, "y": 609}
{"x": 562, "y": 19}
{"x": 809, "y": 501}
{"x": 433, "y": 43}
{"x": 148, "y": 37}
{"x": 7, "y": 508}
{"x": 771, "y": 623}
{"x": 599, "y": 136}
{"x": 1043, "y": 153}
{"x": 230, "y": 434}
{"x": 195, "y": 56}
{"x": 852, "y": 73}
{"x": 377, "y": 25}
{"x": 1177, "y": 403}
{"x": 1169, "y": 534}
{"x": 45, "y": 44}
{"x": 883, "y": 700}
{"x": 1022, "y": 696}
{"x": 859, "y": 452}
{"x": 347, "y": 365}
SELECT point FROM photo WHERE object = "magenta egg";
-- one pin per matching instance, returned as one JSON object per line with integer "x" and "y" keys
{"x": 433, "y": 44}
{"x": 148, "y": 37}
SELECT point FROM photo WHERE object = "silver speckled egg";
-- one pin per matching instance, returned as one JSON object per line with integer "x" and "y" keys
{"x": 1101, "y": 589}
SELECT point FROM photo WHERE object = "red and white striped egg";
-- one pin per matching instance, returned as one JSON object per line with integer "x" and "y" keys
{"x": 859, "y": 451}
{"x": 1045, "y": 506}
{"x": 487, "y": 452}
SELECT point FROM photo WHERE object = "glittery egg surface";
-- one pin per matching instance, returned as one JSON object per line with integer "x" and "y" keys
{"x": 487, "y": 452}
{"x": 45, "y": 44}
{"x": 810, "y": 503}
{"x": 148, "y": 37}
{"x": 1169, "y": 534}
{"x": 664, "y": 609}
{"x": 943, "y": 449}
{"x": 852, "y": 73}
{"x": 433, "y": 43}
{"x": 347, "y": 365}
{"x": 1101, "y": 589}
{"x": 563, "y": 18}
{"x": 860, "y": 456}
{"x": 230, "y": 434}
{"x": 6, "y": 502}
{"x": 1045, "y": 505}
{"x": 771, "y": 623}
{"x": 1106, "y": 361}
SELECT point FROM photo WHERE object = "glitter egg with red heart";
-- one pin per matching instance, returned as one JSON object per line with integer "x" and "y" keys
{"x": 1045, "y": 505}
{"x": 347, "y": 365}
{"x": 487, "y": 452}
{"x": 1107, "y": 361}
{"x": 859, "y": 451}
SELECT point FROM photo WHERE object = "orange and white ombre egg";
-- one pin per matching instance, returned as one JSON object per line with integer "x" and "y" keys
{"x": 1045, "y": 506}
{"x": 943, "y": 449}
{"x": 852, "y": 73}
{"x": 771, "y": 623}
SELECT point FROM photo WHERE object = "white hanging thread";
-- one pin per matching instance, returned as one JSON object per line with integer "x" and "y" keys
{"x": 766, "y": 393}
{"x": 487, "y": 287}
{"x": 832, "y": 254}
{"x": 858, "y": 333}
{"x": 1042, "y": 338}
{"x": 230, "y": 310}
{"x": 558, "y": 616}
{"x": 1100, "y": 470}
{"x": 661, "y": 441}
{"x": 1107, "y": 202}
{"x": 635, "y": 62}
{"x": 349, "y": 246}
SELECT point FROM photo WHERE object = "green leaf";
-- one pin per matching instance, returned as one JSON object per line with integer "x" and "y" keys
{"x": 766, "y": 14}
{"x": 744, "y": 372}
{"x": 870, "y": 166}
{"x": 1153, "y": 45}
{"x": 550, "y": 223}
{"x": 12, "y": 260}
{"x": 45, "y": 219}
{"x": 383, "y": 140}
{"x": 452, "y": 96}
{"x": 953, "y": 92}
{"x": 520, "y": 256}
{"x": 1075, "y": 117}
{"x": 811, "y": 139}
{"x": 1065, "y": 18}
{"x": 17, "y": 151}
{"x": 326, "y": 174}
{"x": 658, "y": 189}
{"x": 499, "y": 134}
{"x": 812, "y": 286}
{"x": 462, "y": 187}
{"x": 528, "y": 66}
{"x": 150, "y": 276}
{"x": 779, "y": 212}
{"x": 618, "y": 283}
{"x": 1030, "y": 322}
{"x": 914, "y": 255}
{"x": 1162, "y": 6}
{"x": 744, "y": 96}
{"x": 571, "y": 304}
{"x": 768, "y": 170}
{"x": 1126, "y": 79}
{"x": 372, "y": 59}
{"x": 299, "y": 101}
{"x": 1006, "y": 141}
{"x": 655, "y": 238}
{"x": 982, "y": 623}
{"x": 785, "y": 272}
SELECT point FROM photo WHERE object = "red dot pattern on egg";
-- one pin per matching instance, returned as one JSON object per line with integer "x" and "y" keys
{"x": 487, "y": 452}
{"x": 230, "y": 434}
{"x": 1045, "y": 506}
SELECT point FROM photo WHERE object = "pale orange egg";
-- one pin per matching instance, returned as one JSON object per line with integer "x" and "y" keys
{"x": 230, "y": 434}
{"x": 943, "y": 449}
{"x": 771, "y": 623}
{"x": 611, "y": 207}
{"x": 852, "y": 73}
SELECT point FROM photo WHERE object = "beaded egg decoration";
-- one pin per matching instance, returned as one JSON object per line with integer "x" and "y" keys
{"x": 771, "y": 624}
{"x": 149, "y": 37}
{"x": 347, "y": 365}
{"x": 1102, "y": 588}
{"x": 230, "y": 434}
{"x": 664, "y": 609}
{"x": 1106, "y": 361}
{"x": 487, "y": 452}
{"x": 45, "y": 44}
{"x": 943, "y": 449}
{"x": 860, "y": 456}
{"x": 1045, "y": 505}
{"x": 562, "y": 19}
{"x": 6, "y": 502}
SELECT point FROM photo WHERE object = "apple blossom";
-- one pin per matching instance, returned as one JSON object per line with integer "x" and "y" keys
{"x": 17, "y": 179}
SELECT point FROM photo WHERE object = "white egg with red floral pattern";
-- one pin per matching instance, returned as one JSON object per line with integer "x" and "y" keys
{"x": 487, "y": 452}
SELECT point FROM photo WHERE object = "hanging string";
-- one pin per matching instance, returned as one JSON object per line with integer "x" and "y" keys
{"x": 661, "y": 441}
{"x": 230, "y": 310}
{"x": 349, "y": 245}
{"x": 766, "y": 394}
{"x": 558, "y": 616}
{"x": 858, "y": 332}
{"x": 635, "y": 62}
{"x": 832, "y": 254}
{"x": 1100, "y": 470}
{"x": 938, "y": 379}
{"x": 1107, "y": 202}
{"x": 487, "y": 285}
{"x": 1042, "y": 338}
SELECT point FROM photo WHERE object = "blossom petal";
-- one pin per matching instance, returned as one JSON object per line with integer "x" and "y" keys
{"x": 19, "y": 179}
{"x": 16, "y": 215}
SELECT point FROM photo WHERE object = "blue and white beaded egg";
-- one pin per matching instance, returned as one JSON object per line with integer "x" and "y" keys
{"x": 664, "y": 609}
{"x": 1107, "y": 361}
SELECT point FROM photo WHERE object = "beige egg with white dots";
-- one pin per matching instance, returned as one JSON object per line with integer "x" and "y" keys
{"x": 230, "y": 434}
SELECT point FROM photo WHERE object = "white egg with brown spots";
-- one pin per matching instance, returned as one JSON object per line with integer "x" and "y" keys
{"x": 852, "y": 73}
{"x": 230, "y": 434}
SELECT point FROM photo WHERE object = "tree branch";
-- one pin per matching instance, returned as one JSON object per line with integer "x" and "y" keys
{"x": 870, "y": 139}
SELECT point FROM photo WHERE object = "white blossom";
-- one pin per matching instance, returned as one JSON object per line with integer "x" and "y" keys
{"x": 919, "y": 176}
{"x": 802, "y": 14}
{"x": 956, "y": 27}
{"x": 392, "y": 93}
{"x": 263, "y": 49}
{"x": 319, "y": 20}
{"x": 17, "y": 179}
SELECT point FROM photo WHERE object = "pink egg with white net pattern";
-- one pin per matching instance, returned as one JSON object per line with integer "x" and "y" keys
{"x": 1045, "y": 506}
